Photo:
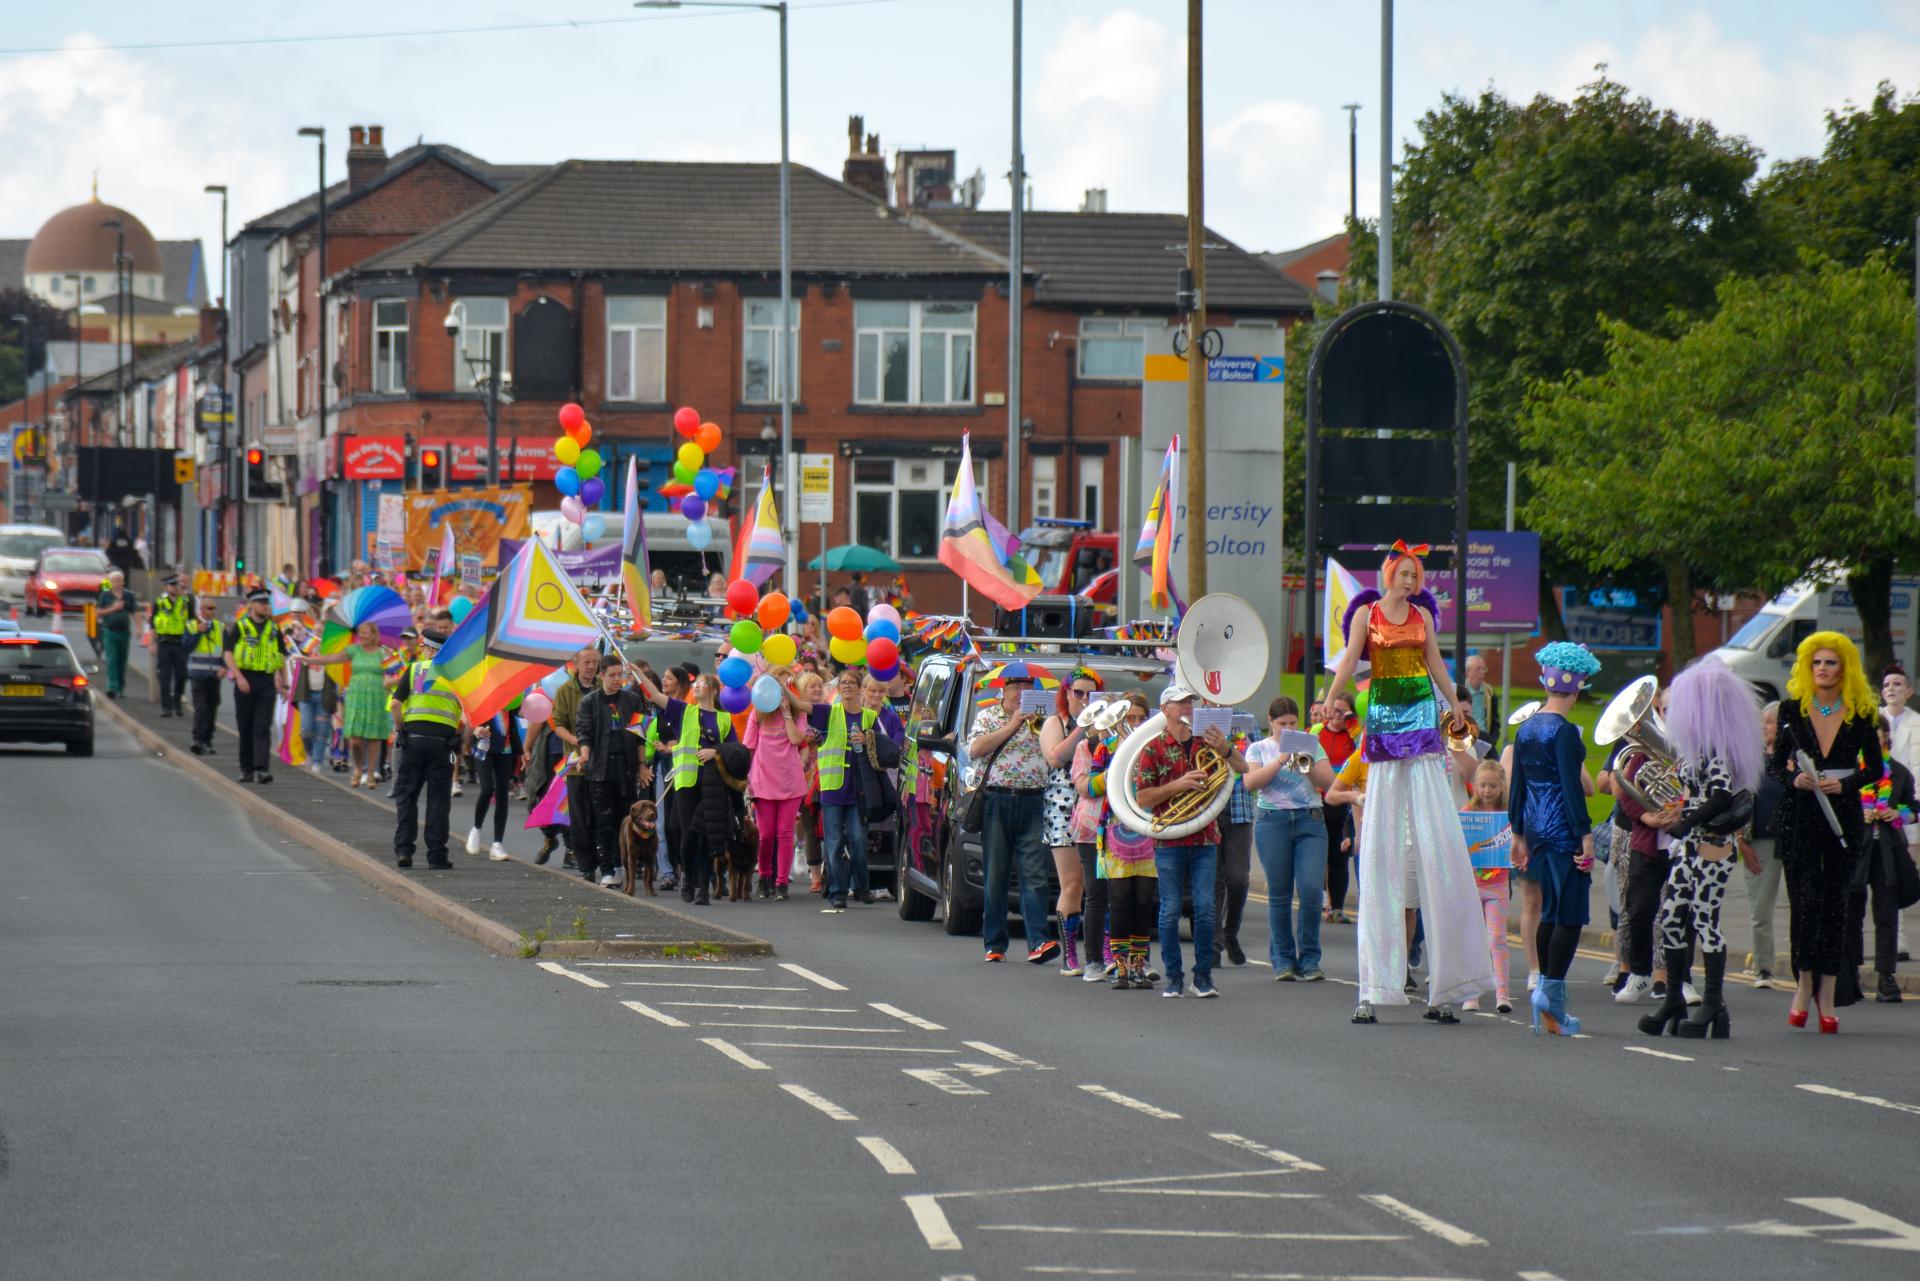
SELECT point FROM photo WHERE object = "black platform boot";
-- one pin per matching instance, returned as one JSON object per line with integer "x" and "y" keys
{"x": 1673, "y": 1010}
{"x": 1710, "y": 1017}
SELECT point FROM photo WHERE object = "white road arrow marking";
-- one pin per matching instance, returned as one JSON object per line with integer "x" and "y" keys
{"x": 944, "y": 1081}
{"x": 1853, "y": 1217}
{"x": 978, "y": 1069}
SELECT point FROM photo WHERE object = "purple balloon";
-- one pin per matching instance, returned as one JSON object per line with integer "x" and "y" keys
{"x": 693, "y": 507}
{"x": 592, "y": 491}
{"x": 736, "y": 701}
{"x": 884, "y": 675}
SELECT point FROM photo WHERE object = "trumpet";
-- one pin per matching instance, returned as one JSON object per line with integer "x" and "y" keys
{"x": 1191, "y": 805}
{"x": 1299, "y": 762}
{"x": 1101, "y": 716}
{"x": 1460, "y": 732}
{"x": 1035, "y": 721}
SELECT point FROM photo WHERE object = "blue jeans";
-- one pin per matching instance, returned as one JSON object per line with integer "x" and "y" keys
{"x": 1186, "y": 871}
{"x": 846, "y": 850}
{"x": 1015, "y": 824}
{"x": 316, "y": 730}
{"x": 1293, "y": 853}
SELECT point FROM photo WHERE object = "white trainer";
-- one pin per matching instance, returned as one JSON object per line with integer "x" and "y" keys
{"x": 499, "y": 853}
{"x": 474, "y": 843}
{"x": 1687, "y": 990}
{"x": 1636, "y": 987}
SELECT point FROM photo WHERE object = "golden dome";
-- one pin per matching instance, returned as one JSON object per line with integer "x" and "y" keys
{"x": 74, "y": 240}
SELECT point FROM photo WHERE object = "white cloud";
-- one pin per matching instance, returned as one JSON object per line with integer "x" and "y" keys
{"x": 1106, "y": 111}
{"x": 1279, "y": 174}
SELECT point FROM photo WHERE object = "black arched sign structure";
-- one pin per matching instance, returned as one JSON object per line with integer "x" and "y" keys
{"x": 1386, "y": 367}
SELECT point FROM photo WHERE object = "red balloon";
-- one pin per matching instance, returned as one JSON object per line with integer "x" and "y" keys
{"x": 742, "y": 596}
{"x": 708, "y": 437}
{"x": 686, "y": 421}
{"x": 571, "y": 416}
{"x": 882, "y": 653}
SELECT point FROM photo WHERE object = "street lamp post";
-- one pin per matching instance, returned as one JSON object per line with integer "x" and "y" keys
{"x": 226, "y": 392}
{"x": 26, "y": 371}
{"x": 789, "y": 535}
{"x": 497, "y": 394}
{"x": 319, "y": 135}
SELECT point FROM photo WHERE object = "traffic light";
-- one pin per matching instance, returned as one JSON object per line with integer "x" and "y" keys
{"x": 429, "y": 467}
{"x": 259, "y": 489}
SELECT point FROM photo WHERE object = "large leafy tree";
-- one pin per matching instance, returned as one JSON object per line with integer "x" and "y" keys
{"x": 1861, "y": 195}
{"x": 44, "y": 323}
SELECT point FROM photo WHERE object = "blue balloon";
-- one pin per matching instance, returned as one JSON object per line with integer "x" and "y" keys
{"x": 567, "y": 481}
{"x": 734, "y": 672}
{"x": 699, "y": 536}
{"x": 460, "y": 608}
{"x": 595, "y": 527}
{"x": 766, "y": 694}
{"x": 796, "y": 610}
{"x": 706, "y": 483}
{"x": 883, "y": 627}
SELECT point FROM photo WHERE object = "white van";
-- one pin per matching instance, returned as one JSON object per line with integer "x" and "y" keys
{"x": 20, "y": 548}
{"x": 1762, "y": 651}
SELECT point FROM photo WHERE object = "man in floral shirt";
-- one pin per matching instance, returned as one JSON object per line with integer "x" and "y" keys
{"x": 1164, "y": 771}
{"x": 1014, "y": 822}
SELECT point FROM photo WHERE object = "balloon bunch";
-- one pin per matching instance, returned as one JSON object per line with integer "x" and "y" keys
{"x": 757, "y": 631}
{"x": 877, "y": 643}
{"x": 695, "y": 485}
{"x": 578, "y": 479}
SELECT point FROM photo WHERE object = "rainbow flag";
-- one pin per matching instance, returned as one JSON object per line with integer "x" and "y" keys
{"x": 529, "y": 622}
{"x": 979, "y": 549}
{"x": 633, "y": 553}
{"x": 1342, "y": 587}
{"x": 447, "y": 555}
{"x": 1153, "y": 553}
{"x": 293, "y": 745}
{"x": 552, "y": 809}
{"x": 759, "y": 554}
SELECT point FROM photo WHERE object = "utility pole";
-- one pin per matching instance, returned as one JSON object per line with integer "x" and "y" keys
{"x": 1015, "y": 252}
{"x": 226, "y": 393}
{"x": 319, "y": 135}
{"x": 1196, "y": 444}
{"x": 1386, "y": 150}
{"x": 1353, "y": 162}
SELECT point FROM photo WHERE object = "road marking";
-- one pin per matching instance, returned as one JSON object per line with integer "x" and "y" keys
{"x": 813, "y": 1027}
{"x": 1134, "y": 1181}
{"x": 1538, "y": 1276}
{"x": 653, "y": 1014}
{"x": 1873, "y": 1100}
{"x": 735, "y": 1053}
{"x": 802, "y": 971}
{"x": 1201, "y": 1234}
{"x": 819, "y": 1104}
{"x": 944, "y": 1081}
{"x": 886, "y": 1154}
{"x": 1658, "y": 1054}
{"x": 1272, "y": 1154}
{"x": 1005, "y": 1056}
{"x": 1219, "y": 1192}
{"x": 894, "y": 1011}
{"x": 1057, "y": 1270}
{"x": 978, "y": 1069}
{"x": 669, "y": 965}
{"x": 932, "y": 1222}
{"x": 735, "y": 1005}
{"x": 877, "y": 1049}
{"x": 554, "y": 967}
{"x": 1853, "y": 1217}
{"x": 1114, "y": 1096}
{"x": 1424, "y": 1221}
{"x": 714, "y": 987}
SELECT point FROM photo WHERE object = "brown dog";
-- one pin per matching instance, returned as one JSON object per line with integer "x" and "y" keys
{"x": 639, "y": 844}
{"x": 743, "y": 856}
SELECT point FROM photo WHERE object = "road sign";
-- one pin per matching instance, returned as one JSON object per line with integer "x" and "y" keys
{"x": 816, "y": 489}
{"x": 183, "y": 471}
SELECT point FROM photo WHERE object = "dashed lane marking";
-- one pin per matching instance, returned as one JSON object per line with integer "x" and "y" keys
{"x": 1425, "y": 1222}
{"x": 1538, "y": 1276}
{"x": 890, "y": 1158}
{"x": 1272, "y": 1154}
{"x": 671, "y": 965}
{"x": 1201, "y": 1234}
{"x": 735, "y": 1053}
{"x": 711, "y": 987}
{"x": 1109, "y": 1184}
{"x": 895, "y": 1012}
{"x": 1217, "y": 1192}
{"x": 1006, "y": 1056}
{"x": 1070, "y": 1271}
{"x": 811, "y": 1027}
{"x": 648, "y": 1011}
{"x": 802, "y": 971}
{"x": 932, "y": 1222}
{"x": 945, "y": 1081}
{"x": 554, "y": 967}
{"x": 1657, "y": 1054}
{"x": 736, "y": 1005}
{"x": 876, "y": 1049}
{"x": 1872, "y": 1100}
{"x": 819, "y": 1104}
{"x": 1126, "y": 1101}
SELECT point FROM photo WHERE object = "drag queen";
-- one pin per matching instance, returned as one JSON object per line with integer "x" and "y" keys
{"x": 1412, "y": 851}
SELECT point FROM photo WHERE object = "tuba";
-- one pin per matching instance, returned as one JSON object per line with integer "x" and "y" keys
{"x": 1520, "y": 714}
{"x": 1631, "y": 716}
{"x": 1221, "y": 653}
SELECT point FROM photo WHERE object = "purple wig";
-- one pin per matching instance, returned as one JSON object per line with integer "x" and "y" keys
{"x": 1712, "y": 712}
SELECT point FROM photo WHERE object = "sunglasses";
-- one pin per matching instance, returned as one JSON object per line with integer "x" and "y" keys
{"x": 1078, "y": 692}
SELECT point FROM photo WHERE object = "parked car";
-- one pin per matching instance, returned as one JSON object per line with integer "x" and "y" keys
{"x": 45, "y": 696}
{"x": 942, "y": 866}
{"x": 20, "y": 548}
{"x": 69, "y": 575}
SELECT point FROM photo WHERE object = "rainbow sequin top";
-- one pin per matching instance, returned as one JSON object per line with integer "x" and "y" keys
{"x": 1403, "y": 718}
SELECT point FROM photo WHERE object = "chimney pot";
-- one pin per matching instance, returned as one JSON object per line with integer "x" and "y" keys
{"x": 366, "y": 156}
{"x": 357, "y": 135}
{"x": 374, "y": 135}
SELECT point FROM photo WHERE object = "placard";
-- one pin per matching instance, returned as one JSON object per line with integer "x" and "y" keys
{"x": 470, "y": 567}
{"x": 1489, "y": 838}
{"x": 816, "y": 489}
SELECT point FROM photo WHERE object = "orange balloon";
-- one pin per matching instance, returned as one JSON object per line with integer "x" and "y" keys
{"x": 843, "y": 623}
{"x": 773, "y": 611}
{"x": 709, "y": 437}
{"x": 581, "y": 432}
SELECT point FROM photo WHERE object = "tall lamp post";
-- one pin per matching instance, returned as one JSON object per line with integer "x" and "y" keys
{"x": 319, "y": 135}
{"x": 26, "y": 371}
{"x": 484, "y": 367}
{"x": 784, "y": 365}
{"x": 224, "y": 439}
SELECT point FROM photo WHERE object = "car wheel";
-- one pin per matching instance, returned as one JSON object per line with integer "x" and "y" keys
{"x": 914, "y": 906}
{"x": 81, "y": 746}
{"x": 954, "y": 918}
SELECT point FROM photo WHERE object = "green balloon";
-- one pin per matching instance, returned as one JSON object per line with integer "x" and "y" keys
{"x": 589, "y": 464}
{"x": 746, "y": 636}
{"x": 684, "y": 474}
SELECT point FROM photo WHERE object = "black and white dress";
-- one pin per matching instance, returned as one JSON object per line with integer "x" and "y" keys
{"x": 1060, "y": 800}
{"x": 1696, "y": 887}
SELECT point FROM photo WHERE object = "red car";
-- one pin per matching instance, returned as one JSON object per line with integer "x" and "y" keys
{"x": 69, "y": 575}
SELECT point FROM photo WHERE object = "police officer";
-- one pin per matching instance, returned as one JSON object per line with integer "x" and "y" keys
{"x": 206, "y": 665}
{"x": 172, "y": 611}
{"x": 257, "y": 662}
{"x": 429, "y": 738}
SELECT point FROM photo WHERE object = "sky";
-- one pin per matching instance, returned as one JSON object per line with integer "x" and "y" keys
{"x": 1104, "y": 89}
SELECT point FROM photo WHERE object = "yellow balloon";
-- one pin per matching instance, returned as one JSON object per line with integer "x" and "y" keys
{"x": 847, "y": 651}
{"x": 778, "y": 650}
{"x": 567, "y": 450}
{"x": 692, "y": 456}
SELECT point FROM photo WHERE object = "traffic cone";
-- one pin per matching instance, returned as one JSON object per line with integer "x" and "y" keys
{"x": 59, "y": 617}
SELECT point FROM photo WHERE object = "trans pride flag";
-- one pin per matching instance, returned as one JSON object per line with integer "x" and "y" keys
{"x": 633, "y": 553}
{"x": 530, "y": 621}
{"x": 978, "y": 548}
{"x": 759, "y": 554}
{"x": 1153, "y": 553}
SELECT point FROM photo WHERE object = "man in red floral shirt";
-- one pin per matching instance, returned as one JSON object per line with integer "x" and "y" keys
{"x": 1187, "y": 865}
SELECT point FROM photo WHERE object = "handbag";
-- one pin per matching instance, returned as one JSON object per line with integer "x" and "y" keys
{"x": 974, "y": 816}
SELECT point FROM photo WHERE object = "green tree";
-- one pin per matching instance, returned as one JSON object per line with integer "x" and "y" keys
{"x": 44, "y": 323}
{"x": 1861, "y": 195}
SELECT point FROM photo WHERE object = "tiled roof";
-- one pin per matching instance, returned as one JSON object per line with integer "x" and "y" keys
{"x": 665, "y": 216}
{"x": 290, "y": 216}
{"x": 1281, "y": 258}
{"x": 1125, "y": 260}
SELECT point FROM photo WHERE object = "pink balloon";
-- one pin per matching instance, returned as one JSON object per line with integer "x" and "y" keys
{"x": 574, "y": 510}
{"x": 536, "y": 708}
{"x": 884, "y": 611}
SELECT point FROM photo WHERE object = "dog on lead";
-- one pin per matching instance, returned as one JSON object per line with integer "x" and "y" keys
{"x": 639, "y": 846}
{"x": 743, "y": 857}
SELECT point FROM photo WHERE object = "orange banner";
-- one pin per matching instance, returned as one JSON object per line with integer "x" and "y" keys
{"x": 480, "y": 517}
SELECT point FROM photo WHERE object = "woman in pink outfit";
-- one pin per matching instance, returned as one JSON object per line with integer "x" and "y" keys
{"x": 778, "y": 781}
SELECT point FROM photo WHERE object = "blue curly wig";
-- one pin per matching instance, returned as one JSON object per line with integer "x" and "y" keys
{"x": 1565, "y": 666}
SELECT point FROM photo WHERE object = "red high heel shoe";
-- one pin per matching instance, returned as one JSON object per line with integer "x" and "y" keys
{"x": 1796, "y": 1018}
{"x": 1829, "y": 1024}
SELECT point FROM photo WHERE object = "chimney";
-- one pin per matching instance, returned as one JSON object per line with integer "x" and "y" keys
{"x": 1095, "y": 201}
{"x": 866, "y": 168}
{"x": 212, "y": 321}
{"x": 366, "y": 155}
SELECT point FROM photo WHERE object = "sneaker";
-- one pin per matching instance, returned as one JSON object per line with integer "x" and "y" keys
{"x": 1471, "y": 1005}
{"x": 780, "y": 891}
{"x": 1415, "y": 955}
{"x": 1203, "y": 988}
{"x": 1096, "y": 973}
{"x": 608, "y": 878}
{"x": 1612, "y": 977}
{"x": 498, "y": 853}
{"x": 1175, "y": 989}
{"x": 1045, "y": 952}
{"x": 1288, "y": 975}
{"x": 1503, "y": 1006}
{"x": 1763, "y": 980}
{"x": 1363, "y": 1013}
{"x": 1692, "y": 996}
{"x": 1659, "y": 990}
{"x": 474, "y": 841}
{"x": 1410, "y": 987}
{"x": 1312, "y": 976}
{"x": 457, "y": 789}
{"x": 1636, "y": 986}
{"x": 996, "y": 956}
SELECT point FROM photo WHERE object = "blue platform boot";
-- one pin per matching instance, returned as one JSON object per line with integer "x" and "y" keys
{"x": 1550, "y": 1009}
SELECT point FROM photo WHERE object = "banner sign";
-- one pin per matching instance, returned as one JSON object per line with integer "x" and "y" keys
{"x": 481, "y": 518}
{"x": 373, "y": 457}
{"x": 521, "y": 459}
{"x": 469, "y": 572}
{"x": 1489, "y": 838}
{"x": 1503, "y": 582}
{"x": 583, "y": 564}
{"x": 816, "y": 489}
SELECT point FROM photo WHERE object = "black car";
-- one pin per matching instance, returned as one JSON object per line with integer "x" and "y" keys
{"x": 45, "y": 696}
{"x": 941, "y": 865}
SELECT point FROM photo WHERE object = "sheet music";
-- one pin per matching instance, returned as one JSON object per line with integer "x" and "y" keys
{"x": 1206, "y": 718}
{"x": 1244, "y": 723}
{"x": 1294, "y": 741}
{"x": 1036, "y": 700}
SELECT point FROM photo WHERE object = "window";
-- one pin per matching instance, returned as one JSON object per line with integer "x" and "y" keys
{"x": 88, "y": 284}
{"x": 761, "y": 350}
{"x": 898, "y": 506}
{"x": 483, "y": 341}
{"x": 1114, "y": 346}
{"x": 53, "y": 284}
{"x": 637, "y": 349}
{"x": 1093, "y": 477}
{"x": 390, "y": 345}
{"x": 1046, "y": 486}
{"x": 543, "y": 362}
{"x": 913, "y": 353}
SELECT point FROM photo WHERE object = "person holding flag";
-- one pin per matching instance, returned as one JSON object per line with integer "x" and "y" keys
{"x": 429, "y": 737}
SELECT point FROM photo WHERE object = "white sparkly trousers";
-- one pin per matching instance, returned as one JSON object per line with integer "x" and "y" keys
{"x": 1411, "y": 815}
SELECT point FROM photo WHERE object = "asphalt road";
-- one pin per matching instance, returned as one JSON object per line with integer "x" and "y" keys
{"x": 220, "y": 1057}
